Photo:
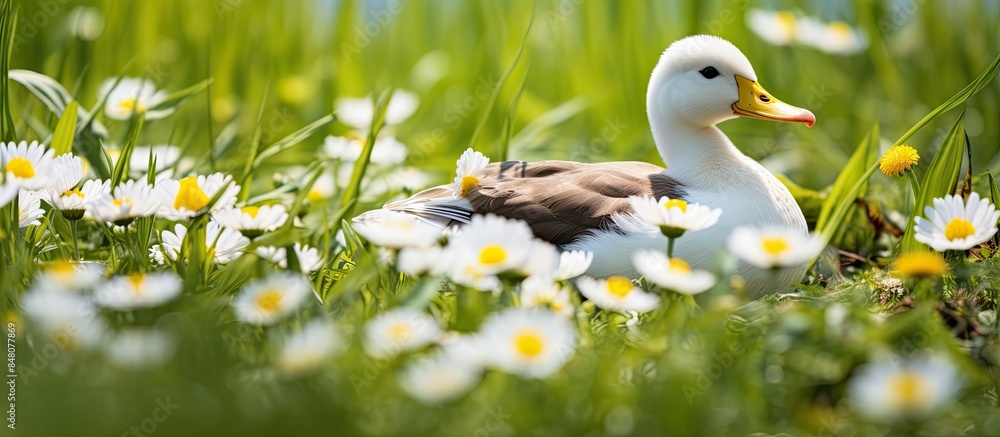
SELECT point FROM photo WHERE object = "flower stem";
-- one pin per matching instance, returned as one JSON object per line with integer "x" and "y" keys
{"x": 76, "y": 240}
{"x": 914, "y": 185}
{"x": 670, "y": 247}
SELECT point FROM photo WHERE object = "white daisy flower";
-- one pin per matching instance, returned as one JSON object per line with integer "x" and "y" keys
{"x": 8, "y": 191}
{"x": 343, "y": 148}
{"x": 183, "y": 199}
{"x": 395, "y": 229}
{"x": 252, "y": 221}
{"x": 784, "y": 28}
{"x": 490, "y": 245}
{"x": 956, "y": 225}
{"x": 324, "y": 188}
{"x": 128, "y": 201}
{"x": 407, "y": 178}
{"x": 439, "y": 379}
{"x": 73, "y": 203}
{"x": 67, "y": 172}
{"x": 387, "y": 151}
{"x": 543, "y": 260}
{"x": 358, "y": 112}
{"x": 465, "y": 347}
{"x": 222, "y": 243}
{"x": 29, "y": 165}
{"x": 573, "y": 263}
{"x": 773, "y": 247}
{"x": 674, "y": 274}
{"x": 617, "y": 293}
{"x": 895, "y": 388}
{"x": 85, "y": 22}
{"x": 467, "y": 274}
{"x": 69, "y": 276}
{"x": 69, "y": 320}
{"x": 538, "y": 292}
{"x": 674, "y": 216}
{"x": 266, "y": 301}
{"x": 165, "y": 155}
{"x": 529, "y": 342}
{"x": 138, "y": 291}
{"x": 778, "y": 28}
{"x": 415, "y": 261}
{"x": 835, "y": 37}
{"x": 399, "y": 330}
{"x": 137, "y": 348}
{"x": 132, "y": 96}
{"x": 308, "y": 348}
{"x": 29, "y": 208}
{"x": 402, "y": 105}
{"x": 468, "y": 165}
{"x": 310, "y": 259}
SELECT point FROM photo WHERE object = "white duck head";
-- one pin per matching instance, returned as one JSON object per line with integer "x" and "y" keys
{"x": 702, "y": 80}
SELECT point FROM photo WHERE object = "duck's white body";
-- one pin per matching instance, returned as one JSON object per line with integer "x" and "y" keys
{"x": 747, "y": 193}
{"x": 699, "y": 82}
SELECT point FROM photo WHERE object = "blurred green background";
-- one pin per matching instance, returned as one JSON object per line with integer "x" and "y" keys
{"x": 578, "y": 92}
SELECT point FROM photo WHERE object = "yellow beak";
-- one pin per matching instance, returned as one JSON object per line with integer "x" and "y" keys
{"x": 756, "y": 102}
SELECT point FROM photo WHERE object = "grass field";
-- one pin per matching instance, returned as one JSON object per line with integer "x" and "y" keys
{"x": 296, "y": 104}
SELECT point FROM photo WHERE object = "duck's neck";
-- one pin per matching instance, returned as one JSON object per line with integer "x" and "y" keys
{"x": 693, "y": 153}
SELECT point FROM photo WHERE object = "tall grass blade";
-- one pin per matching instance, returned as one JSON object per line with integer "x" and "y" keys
{"x": 496, "y": 88}
{"x": 120, "y": 172}
{"x": 247, "y": 176}
{"x": 62, "y": 137}
{"x": 940, "y": 180}
{"x": 8, "y": 25}
{"x": 176, "y": 98}
{"x": 848, "y": 187}
{"x": 292, "y": 140}
{"x": 361, "y": 166}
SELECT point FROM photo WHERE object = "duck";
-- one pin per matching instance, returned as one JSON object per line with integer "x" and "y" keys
{"x": 699, "y": 82}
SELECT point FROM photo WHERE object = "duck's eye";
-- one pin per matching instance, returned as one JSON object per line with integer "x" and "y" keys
{"x": 709, "y": 72}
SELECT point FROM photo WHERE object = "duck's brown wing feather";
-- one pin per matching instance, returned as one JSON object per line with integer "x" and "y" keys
{"x": 561, "y": 200}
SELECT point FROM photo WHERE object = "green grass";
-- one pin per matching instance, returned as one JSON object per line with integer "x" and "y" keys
{"x": 254, "y": 84}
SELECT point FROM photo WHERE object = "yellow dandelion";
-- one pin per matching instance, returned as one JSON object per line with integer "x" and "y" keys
{"x": 898, "y": 160}
{"x": 920, "y": 264}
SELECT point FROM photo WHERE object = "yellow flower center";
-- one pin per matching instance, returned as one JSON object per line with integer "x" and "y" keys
{"x": 492, "y": 255}
{"x": 841, "y": 31}
{"x": 958, "y": 228}
{"x": 74, "y": 192}
{"x": 787, "y": 22}
{"x": 920, "y": 264}
{"x": 315, "y": 195}
{"x": 529, "y": 343}
{"x": 268, "y": 301}
{"x": 136, "y": 279}
{"x": 20, "y": 167}
{"x": 399, "y": 332}
{"x": 620, "y": 286}
{"x": 909, "y": 389}
{"x": 897, "y": 160}
{"x": 123, "y": 201}
{"x": 251, "y": 211}
{"x": 680, "y": 265}
{"x": 62, "y": 269}
{"x": 190, "y": 196}
{"x": 468, "y": 182}
{"x": 676, "y": 203}
{"x": 774, "y": 245}
{"x": 132, "y": 104}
